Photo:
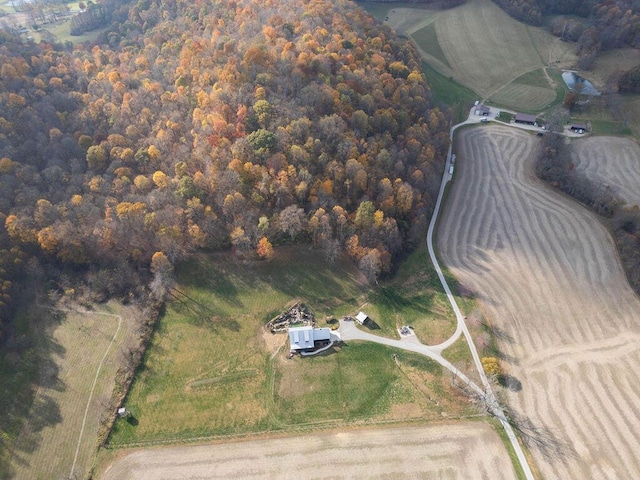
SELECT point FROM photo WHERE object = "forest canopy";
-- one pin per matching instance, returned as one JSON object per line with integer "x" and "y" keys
{"x": 214, "y": 125}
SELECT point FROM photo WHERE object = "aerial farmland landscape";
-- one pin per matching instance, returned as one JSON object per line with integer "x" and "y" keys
{"x": 319, "y": 239}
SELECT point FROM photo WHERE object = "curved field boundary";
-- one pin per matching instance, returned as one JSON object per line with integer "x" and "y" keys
{"x": 613, "y": 162}
{"x": 548, "y": 275}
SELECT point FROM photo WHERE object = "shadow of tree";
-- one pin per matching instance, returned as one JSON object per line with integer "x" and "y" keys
{"x": 371, "y": 325}
{"x": 29, "y": 373}
{"x": 541, "y": 439}
{"x": 510, "y": 382}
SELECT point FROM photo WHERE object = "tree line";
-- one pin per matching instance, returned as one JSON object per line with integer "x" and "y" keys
{"x": 213, "y": 125}
{"x": 554, "y": 165}
{"x": 594, "y": 25}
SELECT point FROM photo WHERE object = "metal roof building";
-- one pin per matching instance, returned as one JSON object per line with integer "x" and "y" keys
{"x": 525, "y": 118}
{"x": 304, "y": 338}
{"x": 482, "y": 110}
{"x": 361, "y": 317}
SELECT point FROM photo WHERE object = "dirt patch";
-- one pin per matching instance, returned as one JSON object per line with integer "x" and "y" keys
{"x": 274, "y": 341}
{"x": 405, "y": 410}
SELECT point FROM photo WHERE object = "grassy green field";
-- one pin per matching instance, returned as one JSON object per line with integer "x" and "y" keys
{"x": 427, "y": 39}
{"x": 601, "y": 120}
{"x": 18, "y": 370}
{"x": 212, "y": 369}
{"x": 65, "y": 367}
{"x": 447, "y": 93}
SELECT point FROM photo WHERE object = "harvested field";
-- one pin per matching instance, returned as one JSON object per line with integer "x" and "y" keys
{"x": 611, "y": 161}
{"x": 470, "y": 451}
{"x": 610, "y": 61}
{"x": 478, "y": 45}
{"x": 552, "y": 286}
{"x": 76, "y": 379}
{"x": 487, "y": 48}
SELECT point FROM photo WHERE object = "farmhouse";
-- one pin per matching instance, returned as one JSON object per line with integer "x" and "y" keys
{"x": 309, "y": 340}
{"x": 482, "y": 110}
{"x": 525, "y": 118}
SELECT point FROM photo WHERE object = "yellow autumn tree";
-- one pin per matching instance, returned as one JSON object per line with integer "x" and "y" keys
{"x": 265, "y": 249}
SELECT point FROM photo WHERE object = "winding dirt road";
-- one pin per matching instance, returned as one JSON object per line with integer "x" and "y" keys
{"x": 549, "y": 278}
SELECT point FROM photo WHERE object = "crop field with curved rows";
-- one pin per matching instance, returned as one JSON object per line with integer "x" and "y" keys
{"x": 549, "y": 278}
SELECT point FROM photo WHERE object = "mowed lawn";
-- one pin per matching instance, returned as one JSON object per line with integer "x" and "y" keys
{"x": 71, "y": 365}
{"x": 212, "y": 369}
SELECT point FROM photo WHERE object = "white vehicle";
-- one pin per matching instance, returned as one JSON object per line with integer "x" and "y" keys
{"x": 451, "y": 170}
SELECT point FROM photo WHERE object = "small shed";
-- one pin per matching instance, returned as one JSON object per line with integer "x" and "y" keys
{"x": 482, "y": 110}
{"x": 525, "y": 118}
{"x": 361, "y": 317}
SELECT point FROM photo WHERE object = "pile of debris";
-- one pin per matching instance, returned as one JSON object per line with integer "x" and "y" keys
{"x": 299, "y": 315}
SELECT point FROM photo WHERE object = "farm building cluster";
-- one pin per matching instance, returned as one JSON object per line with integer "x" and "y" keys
{"x": 304, "y": 337}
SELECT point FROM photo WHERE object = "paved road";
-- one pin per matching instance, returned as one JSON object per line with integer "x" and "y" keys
{"x": 492, "y": 403}
{"x": 348, "y": 331}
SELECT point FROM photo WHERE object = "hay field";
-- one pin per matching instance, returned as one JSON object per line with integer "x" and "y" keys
{"x": 612, "y": 161}
{"x": 470, "y": 450}
{"x": 528, "y": 97}
{"x": 482, "y": 48}
{"x": 59, "y": 437}
{"x": 550, "y": 282}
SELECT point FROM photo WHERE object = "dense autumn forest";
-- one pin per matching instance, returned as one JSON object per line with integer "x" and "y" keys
{"x": 213, "y": 125}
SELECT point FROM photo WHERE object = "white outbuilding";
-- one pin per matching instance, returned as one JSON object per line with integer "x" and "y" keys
{"x": 361, "y": 317}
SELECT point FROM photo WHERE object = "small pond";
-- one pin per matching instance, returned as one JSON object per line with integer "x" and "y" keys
{"x": 585, "y": 86}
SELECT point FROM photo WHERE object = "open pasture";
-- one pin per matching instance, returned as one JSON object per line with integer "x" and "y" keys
{"x": 613, "y": 162}
{"x": 79, "y": 354}
{"x": 215, "y": 368}
{"x": 549, "y": 279}
{"x": 469, "y": 450}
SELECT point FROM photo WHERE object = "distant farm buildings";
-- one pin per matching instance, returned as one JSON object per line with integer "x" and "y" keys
{"x": 482, "y": 110}
{"x": 525, "y": 118}
{"x": 361, "y": 317}
{"x": 578, "y": 127}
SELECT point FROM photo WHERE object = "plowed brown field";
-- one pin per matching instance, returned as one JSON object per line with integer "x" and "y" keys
{"x": 612, "y": 161}
{"x": 468, "y": 451}
{"x": 550, "y": 280}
